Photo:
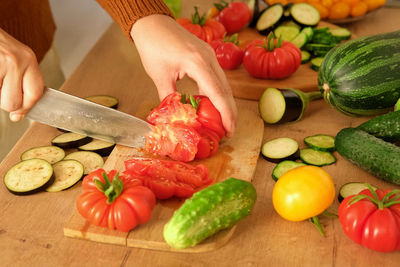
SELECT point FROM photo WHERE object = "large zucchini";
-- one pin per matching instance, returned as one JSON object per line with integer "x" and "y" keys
{"x": 212, "y": 209}
{"x": 361, "y": 77}
{"x": 386, "y": 126}
{"x": 380, "y": 158}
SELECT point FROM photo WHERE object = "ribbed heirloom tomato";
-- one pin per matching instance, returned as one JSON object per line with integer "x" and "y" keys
{"x": 110, "y": 200}
{"x": 229, "y": 54}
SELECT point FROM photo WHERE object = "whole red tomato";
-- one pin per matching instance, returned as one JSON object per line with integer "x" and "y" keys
{"x": 185, "y": 131}
{"x": 271, "y": 59}
{"x": 206, "y": 29}
{"x": 110, "y": 200}
{"x": 234, "y": 16}
{"x": 228, "y": 53}
{"x": 168, "y": 178}
{"x": 372, "y": 219}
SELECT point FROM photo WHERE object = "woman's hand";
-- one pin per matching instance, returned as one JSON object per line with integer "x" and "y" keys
{"x": 169, "y": 52}
{"x": 21, "y": 83}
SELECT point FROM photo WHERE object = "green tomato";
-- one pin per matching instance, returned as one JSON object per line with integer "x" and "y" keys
{"x": 175, "y": 6}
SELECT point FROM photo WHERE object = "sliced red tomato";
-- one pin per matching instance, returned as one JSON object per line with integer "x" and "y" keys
{"x": 168, "y": 178}
{"x": 208, "y": 144}
{"x": 209, "y": 116}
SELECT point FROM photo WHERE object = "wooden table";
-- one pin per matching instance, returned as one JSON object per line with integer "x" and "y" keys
{"x": 31, "y": 227}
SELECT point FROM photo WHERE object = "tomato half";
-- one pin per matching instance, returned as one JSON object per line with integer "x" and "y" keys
{"x": 372, "y": 219}
{"x": 110, "y": 200}
{"x": 168, "y": 178}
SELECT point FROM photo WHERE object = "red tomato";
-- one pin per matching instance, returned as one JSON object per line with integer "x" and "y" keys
{"x": 373, "y": 220}
{"x": 228, "y": 53}
{"x": 208, "y": 144}
{"x": 234, "y": 17}
{"x": 270, "y": 60}
{"x": 168, "y": 178}
{"x": 123, "y": 208}
{"x": 206, "y": 29}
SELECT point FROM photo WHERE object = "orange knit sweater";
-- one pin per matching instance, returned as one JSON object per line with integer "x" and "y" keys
{"x": 31, "y": 21}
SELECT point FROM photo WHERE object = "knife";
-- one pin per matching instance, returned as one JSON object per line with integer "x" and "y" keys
{"x": 71, "y": 113}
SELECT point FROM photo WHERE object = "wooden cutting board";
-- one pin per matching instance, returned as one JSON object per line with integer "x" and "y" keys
{"x": 236, "y": 157}
{"x": 247, "y": 87}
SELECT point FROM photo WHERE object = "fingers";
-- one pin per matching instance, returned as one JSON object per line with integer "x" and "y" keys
{"x": 165, "y": 86}
{"x": 11, "y": 93}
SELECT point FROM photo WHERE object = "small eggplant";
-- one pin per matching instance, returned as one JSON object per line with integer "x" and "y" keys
{"x": 270, "y": 18}
{"x": 284, "y": 105}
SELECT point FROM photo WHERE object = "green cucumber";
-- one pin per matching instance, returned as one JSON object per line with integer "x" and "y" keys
{"x": 386, "y": 126}
{"x": 283, "y": 167}
{"x": 208, "y": 211}
{"x": 378, "y": 157}
{"x": 317, "y": 158}
{"x": 321, "y": 142}
{"x": 360, "y": 77}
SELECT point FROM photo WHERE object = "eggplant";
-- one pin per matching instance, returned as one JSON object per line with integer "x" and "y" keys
{"x": 284, "y": 105}
{"x": 70, "y": 140}
{"x": 270, "y": 18}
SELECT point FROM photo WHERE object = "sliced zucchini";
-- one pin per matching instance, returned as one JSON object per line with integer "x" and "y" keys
{"x": 100, "y": 147}
{"x": 280, "y": 149}
{"x": 289, "y": 22}
{"x": 321, "y": 142}
{"x": 309, "y": 32}
{"x": 287, "y": 33}
{"x": 51, "y": 154}
{"x": 105, "y": 100}
{"x": 70, "y": 140}
{"x": 283, "y": 167}
{"x": 305, "y": 14}
{"x": 29, "y": 176}
{"x": 270, "y": 18}
{"x": 352, "y": 188}
{"x": 316, "y": 158}
{"x": 300, "y": 40}
{"x": 90, "y": 160}
{"x": 67, "y": 173}
{"x": 340, "y": 33}
{"x": 305, "y": 56}
{"x": 316, "y": 62}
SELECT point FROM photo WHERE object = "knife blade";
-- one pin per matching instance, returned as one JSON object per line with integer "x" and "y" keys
{"x": 71, "y": 113}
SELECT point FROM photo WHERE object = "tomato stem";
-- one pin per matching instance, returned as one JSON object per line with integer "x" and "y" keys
{"x": 194, "y": 103}
{"x": 111, "y": 190}
{"x": 315, "y": 221}
{"x": 196, "y": 18}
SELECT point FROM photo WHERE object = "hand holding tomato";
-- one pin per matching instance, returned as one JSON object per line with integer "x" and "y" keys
{"x": 271, "y": 59}
{"x": 229, "y": 54}
{"x": 372, "y": 219}
{"x": 110, "y": 200}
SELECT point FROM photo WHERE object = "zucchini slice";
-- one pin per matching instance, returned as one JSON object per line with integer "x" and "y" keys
{"x": 305, "y": 56}
{"x": 29, "y": 176}
{"x": 270, "y": 18}
{"x": 287, "y": 33}
{"x": 90, "y": 160}
{"x": 300, "y": 40}
{"x": 105, "y": 100}
{"x": 70, "y": 140}
{"x": 352, "y": 188}
{"x": 316, "y": 158}
{"x": 100, "y": 147}
{"x": 316, "y": 63}
{"x": 283, "y": 167}
{"x": 340, "y": 33}
{"x": 321, "y": 142}
{"x": 51, "y": 154}
{"x": 280, "y": 149}
{"x": 309, "y": 32}
{"x": 305, "y": 14}
{"x": 67, "y": 173}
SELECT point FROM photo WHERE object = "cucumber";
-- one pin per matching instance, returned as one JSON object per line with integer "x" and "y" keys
{"x": 104, "y": 100}
{"x": 321, "y": 142}
{"x": 305, "y": 56}
{"x": 300, "y": 40}
{"x": 70, "y": 140}
{"x": 67, "y": 173}
{"x": 90, "y": 160}
{"x": 283, "y": 167}
{"x": 278, "y": 149}
{"x": 51, "y": 154}
{"x": 316, "y": 63}
{"x": 340, "y": 33}
{"x": 352, "y": 188}
{"x": 358, "y": 77}
{"x": 376, "y": 156}
{"x": 287, "y": 33}
{"x": 29, "y": 176}
{"x": 208, "y": 211}
{"x": 386, "y": 126}
{"x": 317, "y": 158}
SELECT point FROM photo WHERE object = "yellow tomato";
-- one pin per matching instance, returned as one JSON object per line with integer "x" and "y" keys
{"x": 339, "y": 10}
{"x": 302, "y": 193}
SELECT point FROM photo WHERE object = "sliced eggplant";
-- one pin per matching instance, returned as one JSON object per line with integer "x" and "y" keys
{"x": 66, "y": 173}
{"x": 70, "y": 140}
{"x": 352, "y": 188}
{"x": 51, "y": 154}
{"x": 90, "y": 160}
{"x": 317, "y": 158}
{"x": 105, "y": 100}
{"x": 279, "y": 149}
{"x": 100, "y": 147}
{"x": 305, "y": 14}
{"x": 284, "y": 105}
{"x": 270, "y": 18}
{"x": 283, "y": 167}
{"x": 29, "y": 176}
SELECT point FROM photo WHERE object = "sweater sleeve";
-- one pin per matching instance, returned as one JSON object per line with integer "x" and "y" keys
{"x": 127, "y": 12}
